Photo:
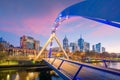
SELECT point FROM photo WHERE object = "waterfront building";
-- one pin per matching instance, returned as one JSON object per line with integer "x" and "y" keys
{"x": 27, "y": 42}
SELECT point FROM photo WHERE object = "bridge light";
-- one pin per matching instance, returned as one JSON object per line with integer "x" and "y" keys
{"x": 60, "y": 18}
{"x": 67, "y": 17}
{"x": 60, "y": 15}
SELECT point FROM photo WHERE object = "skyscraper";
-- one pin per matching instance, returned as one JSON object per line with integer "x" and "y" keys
{"x": 98, "y": 47}
{"x": 65, "y": 43}
{"x": 103, "y": 49}
{"x": 28, "y": 42}
{"x": 86, "y": 46}
{"x": 93, "y": 48}
{"x": 81, "y": 44}
{"x": 74, "y": 47}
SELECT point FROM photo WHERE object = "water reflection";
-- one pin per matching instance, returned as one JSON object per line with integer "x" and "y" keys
{"x": 27, "y": 75}
{"x": 17, "y": 76}
{"x": 8, "y": 76}
{"x": 114, "y": 65}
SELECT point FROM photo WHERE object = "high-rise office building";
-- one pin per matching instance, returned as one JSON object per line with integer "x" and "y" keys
{"x": 103, "y": 49}
{"x": 81, "y": 44}
{"x": 98, "y": 47}
{"x": 65, "y": 43}
{"x": 86, "y": 46}
{"x": 28, "y": 42}
{"x": 74, "y": 47}
{"x": 93, "y": 48}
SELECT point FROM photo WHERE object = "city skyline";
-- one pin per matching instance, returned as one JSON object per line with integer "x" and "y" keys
{"x": 86, "y": 46}
{"x": 34, "y": 18}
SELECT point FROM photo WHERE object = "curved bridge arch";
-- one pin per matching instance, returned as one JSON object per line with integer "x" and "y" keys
{"x": 104, "y": 11}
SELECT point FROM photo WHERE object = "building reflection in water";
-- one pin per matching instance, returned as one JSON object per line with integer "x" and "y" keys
{"x": 28, "y": 75}
{"x": 8, "y": 77}
{"x": 17, "y": 76}
{"x": 32, "y": 75}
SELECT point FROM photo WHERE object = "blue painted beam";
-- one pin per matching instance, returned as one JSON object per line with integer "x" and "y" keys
{"x": 106, "y": 22}
{"x": 108, "y": 10}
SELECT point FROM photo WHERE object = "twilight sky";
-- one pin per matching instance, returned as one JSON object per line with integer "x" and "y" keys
{"x": 36, "y": 18}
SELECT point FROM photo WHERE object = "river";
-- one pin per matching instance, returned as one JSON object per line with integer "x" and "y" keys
{"x": 113, "y": 65}
{"x": 22, "y": 74}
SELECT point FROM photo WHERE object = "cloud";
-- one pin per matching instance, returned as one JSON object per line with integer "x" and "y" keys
{"x": 77, "y": 23}
{"x": 38, "y": 24}
{"x": 14, "y": 29}
{"x": 103, "y": 31}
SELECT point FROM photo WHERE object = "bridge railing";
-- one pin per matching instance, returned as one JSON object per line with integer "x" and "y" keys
{"x": 72, "y": 70}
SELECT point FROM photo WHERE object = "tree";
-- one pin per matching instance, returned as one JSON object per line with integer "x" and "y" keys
{"x": 113, "y": 55}
{"x": 1, "y": 47}
{"x": 3, "y": 54}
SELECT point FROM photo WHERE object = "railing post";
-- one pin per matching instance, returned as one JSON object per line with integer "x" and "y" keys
{"x": 60, "y": 64}
{"x": 53, "y": 61}
{"x": 105, "y": 63}
{"x": 48, "y": 59}
{"x": 74, "y": 78}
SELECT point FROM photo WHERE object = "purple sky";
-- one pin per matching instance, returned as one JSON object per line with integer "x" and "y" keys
{"x": 36, "y": 18}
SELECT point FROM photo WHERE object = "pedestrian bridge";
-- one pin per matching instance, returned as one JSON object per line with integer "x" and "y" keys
{"x": 72, "y": 70}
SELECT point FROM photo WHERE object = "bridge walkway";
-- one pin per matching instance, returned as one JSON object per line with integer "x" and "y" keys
{"x": 72, "y": 70}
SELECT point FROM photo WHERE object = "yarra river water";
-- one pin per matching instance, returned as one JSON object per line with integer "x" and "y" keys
{"x": 112, "y": 65}
{"x": 23, "y": 74}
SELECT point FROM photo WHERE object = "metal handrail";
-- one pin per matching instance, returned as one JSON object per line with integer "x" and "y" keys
{"x": 84, "y": 65}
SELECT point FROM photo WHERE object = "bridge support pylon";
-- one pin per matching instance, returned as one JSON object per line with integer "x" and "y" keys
{"x": 53, "y": 36}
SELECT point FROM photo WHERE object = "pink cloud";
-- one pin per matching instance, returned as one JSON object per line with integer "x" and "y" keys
{"x": 15, "y": 30}
{"x": 35, "y": 25}
{"x": 40, "y": 25}
{"x": 104, "y": 30}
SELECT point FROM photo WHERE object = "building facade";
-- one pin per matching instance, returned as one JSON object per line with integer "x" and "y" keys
{"x": 98, "y": 47}
{"x": 27, "y": 42}
{"x": 65, "y": 43}
{"x": 5, "y": 43}
{"x": 81, "y": 44}
{"x": 74, "y": 47}
{"x": 93, "y": 48}
{"x": 86, "y": 46}
{"x": 103, "y": 49}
